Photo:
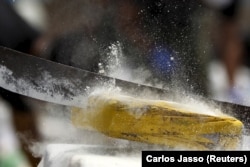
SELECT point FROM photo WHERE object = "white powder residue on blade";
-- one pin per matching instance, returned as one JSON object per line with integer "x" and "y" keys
{"x": 44, "y": 89}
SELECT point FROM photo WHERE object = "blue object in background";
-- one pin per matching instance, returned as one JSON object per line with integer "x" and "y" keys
{"x": 163, "y": 61}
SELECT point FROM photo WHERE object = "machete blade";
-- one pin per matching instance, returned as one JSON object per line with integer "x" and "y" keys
{"x": 54, "y": 82}
{"x": 61, "y": 84}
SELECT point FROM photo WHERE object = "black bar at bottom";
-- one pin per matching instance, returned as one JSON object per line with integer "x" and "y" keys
{"x": 195, "y": 158}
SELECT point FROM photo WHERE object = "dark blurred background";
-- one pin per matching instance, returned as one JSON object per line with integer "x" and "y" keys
{"x": 201, "y": 47}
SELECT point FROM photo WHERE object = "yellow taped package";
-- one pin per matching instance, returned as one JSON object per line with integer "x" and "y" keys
{"x": 158, "y": 122}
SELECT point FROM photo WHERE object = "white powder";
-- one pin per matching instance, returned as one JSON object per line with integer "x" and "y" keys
{"x": 45, "y": 88}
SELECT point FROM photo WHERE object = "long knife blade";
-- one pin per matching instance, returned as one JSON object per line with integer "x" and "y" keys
{"x": 53, "y": 82}
{"x": 57, "y": 83}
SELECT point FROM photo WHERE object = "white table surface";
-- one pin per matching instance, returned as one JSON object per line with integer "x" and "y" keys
{"x": 74, "y": 155}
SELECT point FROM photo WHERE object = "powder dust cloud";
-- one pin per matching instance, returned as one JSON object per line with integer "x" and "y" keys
{"x": 56, "y": 126}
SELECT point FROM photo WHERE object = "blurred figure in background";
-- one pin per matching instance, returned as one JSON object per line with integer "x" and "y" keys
{"x": 19, "y": 34}
{"x": 156, "y": 35}
{"x": 230, "y": 81}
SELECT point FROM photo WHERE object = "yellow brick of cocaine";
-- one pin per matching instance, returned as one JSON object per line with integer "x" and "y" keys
{"x": 158, "y": 122}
